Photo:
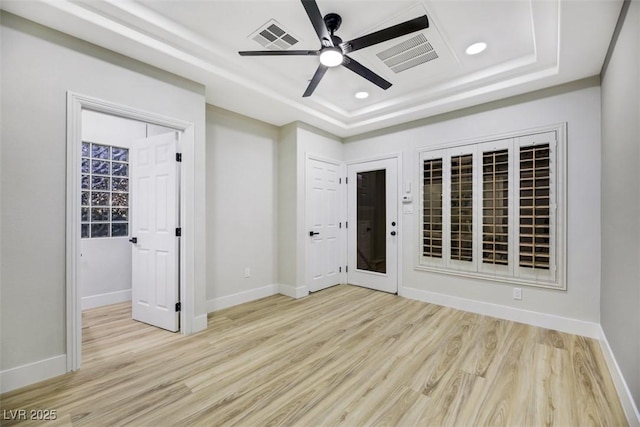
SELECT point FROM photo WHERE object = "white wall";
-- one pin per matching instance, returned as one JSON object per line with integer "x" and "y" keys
{"x": 287, "y": 206}
{"x": 620, "y": 300}
{"x": 39, "y": 66}
{"x": 577, "y": 104}
{"x": 241, "y": 208}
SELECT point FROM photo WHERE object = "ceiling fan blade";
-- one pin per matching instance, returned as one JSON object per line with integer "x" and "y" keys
{"x": 318, "y": 22}
{"x": 399, "y": 30}
{"x": 315, "y": 80}
{"x": 279, "y": 53}
{"x": 363, "y": 71}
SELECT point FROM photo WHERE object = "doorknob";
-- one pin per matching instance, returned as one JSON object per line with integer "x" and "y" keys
{"x": 133, "y": 240}
{"x": 393, "y": 233}
{"x": 313, "y": 233}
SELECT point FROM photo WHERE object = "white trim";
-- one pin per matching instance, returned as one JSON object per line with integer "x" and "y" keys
{"x": 293, "y": 291}
{"x": 626, "y": 399}
{"x": 75, "y": 104}
{"x": 31, "y": 373}
{"x": 240, "y": 298}
{"x": 109, "y": 298}
{"x": 559, "y": 127}
{"x": 396, "y": 155}
{"x": 534, "y": 318}
{"x": 200, "y": 323}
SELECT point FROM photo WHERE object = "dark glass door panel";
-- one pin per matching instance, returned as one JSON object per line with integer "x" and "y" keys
{"x": 371, "y": 214}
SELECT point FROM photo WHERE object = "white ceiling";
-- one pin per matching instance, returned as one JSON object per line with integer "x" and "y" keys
{"x": 531, "y": 45}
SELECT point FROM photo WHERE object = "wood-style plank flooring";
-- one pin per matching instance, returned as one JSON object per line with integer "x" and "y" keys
{"x": 344, "y": 356}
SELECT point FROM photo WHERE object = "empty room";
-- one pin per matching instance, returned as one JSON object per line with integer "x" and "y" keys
{"x": 309, "y": 212}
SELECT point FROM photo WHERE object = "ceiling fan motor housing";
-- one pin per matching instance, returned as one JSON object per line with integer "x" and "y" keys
{"x": 332, "y": 21}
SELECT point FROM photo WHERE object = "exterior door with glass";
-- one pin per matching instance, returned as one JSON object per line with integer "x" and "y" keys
{"x": 372, "y": 232}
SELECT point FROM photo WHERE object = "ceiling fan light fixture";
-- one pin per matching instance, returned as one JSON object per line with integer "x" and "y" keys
{"x": 362, "y": 95}
{"x": 331, "y": 56}
{"x": 476, "y": 48}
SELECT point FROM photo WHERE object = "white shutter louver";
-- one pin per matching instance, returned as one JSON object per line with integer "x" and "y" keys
{"x": 535, "y": 206}
{"x": 432, "y": 209}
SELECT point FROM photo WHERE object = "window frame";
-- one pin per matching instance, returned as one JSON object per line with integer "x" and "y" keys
{"x": 555, "y": 276}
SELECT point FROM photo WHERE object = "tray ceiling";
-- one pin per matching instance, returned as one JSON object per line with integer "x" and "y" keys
{"x": 530, "y": 45}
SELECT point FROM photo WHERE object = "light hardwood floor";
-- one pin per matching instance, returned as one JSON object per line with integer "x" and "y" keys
{"x": 343, "y": 356}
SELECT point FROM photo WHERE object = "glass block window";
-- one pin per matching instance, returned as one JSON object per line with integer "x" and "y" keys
{"x": 104, "y": 196}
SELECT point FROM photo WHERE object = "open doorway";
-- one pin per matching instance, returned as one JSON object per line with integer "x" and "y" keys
{"x": 126, "y": 257}
{"x": 97, "y": 139}
{"x": 106, "y": 206}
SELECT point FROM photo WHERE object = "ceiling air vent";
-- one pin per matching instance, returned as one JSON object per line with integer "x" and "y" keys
{"x": 408, "y": 54}
{"x": 273, "y": 36}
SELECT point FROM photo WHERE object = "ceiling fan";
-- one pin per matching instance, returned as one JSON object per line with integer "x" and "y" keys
{"x": 333, "y": 50}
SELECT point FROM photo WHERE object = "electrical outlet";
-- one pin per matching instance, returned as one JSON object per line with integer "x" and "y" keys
{"x": 247, "y": 272}
{"x": 517, "y": 293}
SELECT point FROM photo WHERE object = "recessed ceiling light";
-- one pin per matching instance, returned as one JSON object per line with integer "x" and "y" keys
{"x": 362, "y": 95}
{"x": 476, "y": 48}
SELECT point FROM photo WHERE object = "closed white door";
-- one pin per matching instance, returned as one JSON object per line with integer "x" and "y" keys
{"x": 372, "y": 235}
{"x": 154, "y": 193}
{"x": 323, "y": 206}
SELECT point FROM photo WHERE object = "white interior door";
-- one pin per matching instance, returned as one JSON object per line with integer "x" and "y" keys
{"x": 323, "y": 206}
{"x": 154, "y": 194}
{"x": 372, "y": 234}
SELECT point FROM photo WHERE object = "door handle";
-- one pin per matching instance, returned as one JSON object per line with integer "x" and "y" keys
{"x": 393, "y": 233}
{"x": 133, "y": 240}
{"x": 313, "y": 233}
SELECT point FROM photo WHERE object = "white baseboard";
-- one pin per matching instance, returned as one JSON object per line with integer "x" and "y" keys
{"x": 543, "y": 320}
{"x": 626, "y": 399}
{"x": 199, "y": 323}
{"x": 100, "y": 300}
{"x": 25, "y": 375}
{"x": 240, "y": 298}
{"x": 293, "y": 291}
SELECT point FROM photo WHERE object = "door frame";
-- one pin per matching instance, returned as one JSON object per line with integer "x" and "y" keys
{"x": 342, "y": 199}
{"x": 399, "y": 185}
{"x": 75, "y": 104}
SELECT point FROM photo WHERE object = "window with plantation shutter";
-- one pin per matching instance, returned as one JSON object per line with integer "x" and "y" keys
{"x": 495, "y": 207}
{"x": 534, "y": 206}
{"x": 462, "y": 208}
{"x": 492, "y": 209}
{"x": 432, "y": 208}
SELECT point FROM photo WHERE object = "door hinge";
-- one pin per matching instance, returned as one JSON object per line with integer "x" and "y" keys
{"x": 346, "y": 224}
{"x": 178, "y": 157}
{"x": 178, "y": 306}
{"x": 346, "y": 269}
{"x": 178, "y": 231}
